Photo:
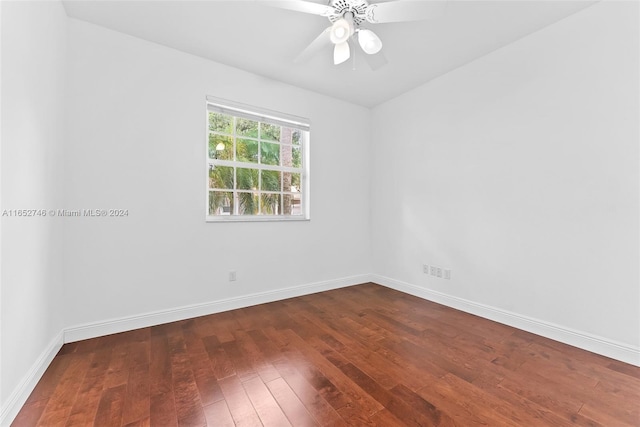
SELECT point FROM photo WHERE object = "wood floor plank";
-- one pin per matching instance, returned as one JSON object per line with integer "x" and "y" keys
{"x": 539, "y": 414}
{"x": 60, "y": 404}
{"x": 362, "y": 355}
{"x": 592, "y": 368}
{"x": 223, "y": 325}
{"x": 51, "y": 377}
{"x": 137, "y": 399}
{"x": 397, "y": 406}
{"x": 219, "y": 359}
{"x": 501, "y": 409}
{"x": 240, "y": 406}
{"x": 239, "y": 359}
{"x": 218, "y": 414}
{"x": 206, "y": 381}
{"x": 85, "y": 407}
{"x": 331, "y": 375}
{"x": 185, "y": 391}
{"x": 30, "y": 413}
{"x": 161, "y": 399}
{"x": 160, "y": 362}
{"x": 313, "y": 401}
{"x": 264, "y": 403}
{"x": 293, "y": 408}
{"x": 386, "y": 419}
{"x": 162, "y": 402}
{"x": 549, "y": 394}
{"x": 434, "y": 415}
{"x": 145, "y": 422}
{"x": 624, "y": 368}
{"x": 464, "y": 412}
{"x": 311, "y": 368}
{"x": 256, "y": 358}
{"x": 610, "y": 416}
{"x": 118, "y": 373}
{"x": 385, "y": 361}
{"x": 110, "y": 408}
{"x": 619, "y": 394}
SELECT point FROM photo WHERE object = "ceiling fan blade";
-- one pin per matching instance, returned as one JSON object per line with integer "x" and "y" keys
{"x": 341, "y": 52}
{"x": 300, "y": 6}
{"x": 317, "y": 44}
{"x": 376, "y": 61}
{"x": 399, "y": 11}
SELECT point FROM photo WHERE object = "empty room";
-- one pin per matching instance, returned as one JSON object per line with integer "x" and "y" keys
{"x": 320, "y": 213}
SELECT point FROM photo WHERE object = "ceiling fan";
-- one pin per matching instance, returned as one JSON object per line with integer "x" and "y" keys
{"x": 348, "y": 18}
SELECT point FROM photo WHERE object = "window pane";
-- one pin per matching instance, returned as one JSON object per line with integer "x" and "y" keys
{"x": 221, "y": 177}
{"x": 270, "y": 153}
{"x": 296, "y": 157}
{"x": 220, "y": 147}
{"x": 220, "y": 203}
{"x": 295, "y": 182}
{"x": 291, "y": 204}
{"x": 221, "y": 123}
{"x": 247, "y": 203}
{"x": 269, "y": 132}
{"x": 246, "y": 127}
{"x": 270, "y": 204}
{"x": 270, "y": 181}
{"x": 247, "y": 179}
{"x": 296, "y": 136}
{"x": 247, "y": 150}
{"x": 291, "y": 182}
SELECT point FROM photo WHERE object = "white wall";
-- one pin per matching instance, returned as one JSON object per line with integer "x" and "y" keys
{"x": 137, "y": 141}
{"x": 33, "y": 63}
{"x": 519, "y": 171}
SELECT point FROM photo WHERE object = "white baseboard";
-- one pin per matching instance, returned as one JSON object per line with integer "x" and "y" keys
{"x": 20, "y": 394}
{"x": 583, "y": 340}
{"x": 112, "y": 326}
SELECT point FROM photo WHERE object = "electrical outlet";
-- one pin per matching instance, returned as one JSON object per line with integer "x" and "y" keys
{"x": 439, "y": 272}
{"x": 232, "y": 276}
{"x": 433, "y": 270}
{"x": 425, "y": 269}
{"x": 447, "y": 274}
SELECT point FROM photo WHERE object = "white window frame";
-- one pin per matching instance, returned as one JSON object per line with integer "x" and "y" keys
{"x": 262, "y": 115}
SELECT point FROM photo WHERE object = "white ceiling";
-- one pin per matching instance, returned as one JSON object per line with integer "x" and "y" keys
{"x": 264, "y": 40}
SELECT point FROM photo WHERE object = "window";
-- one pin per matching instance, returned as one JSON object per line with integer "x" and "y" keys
{"x": 257, "y": 163}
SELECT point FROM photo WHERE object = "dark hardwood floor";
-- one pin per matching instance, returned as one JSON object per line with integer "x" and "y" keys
{"x": 364, "y": 355}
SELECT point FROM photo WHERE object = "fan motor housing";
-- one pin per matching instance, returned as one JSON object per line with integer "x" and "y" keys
{"x": 357, "y": 7}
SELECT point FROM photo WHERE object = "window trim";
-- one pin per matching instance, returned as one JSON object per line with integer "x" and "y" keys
{"x": 263, "y": 115}
{"x": 232, "y": 108}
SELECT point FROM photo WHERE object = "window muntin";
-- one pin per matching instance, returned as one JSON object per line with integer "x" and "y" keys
{"x": 257, "y": 164}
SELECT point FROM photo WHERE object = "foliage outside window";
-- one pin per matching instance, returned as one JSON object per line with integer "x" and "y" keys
{"x": 257, "y": 166}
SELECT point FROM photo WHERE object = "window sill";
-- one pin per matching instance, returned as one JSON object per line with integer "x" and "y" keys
{"x": 262, "y": 218}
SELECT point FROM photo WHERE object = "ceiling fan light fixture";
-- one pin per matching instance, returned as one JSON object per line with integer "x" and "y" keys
{"x": 339, "y": 34}
{"x": 369, "y": 42}
{"x": 341, "y": 52}
{"x": 342, "y": 29}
